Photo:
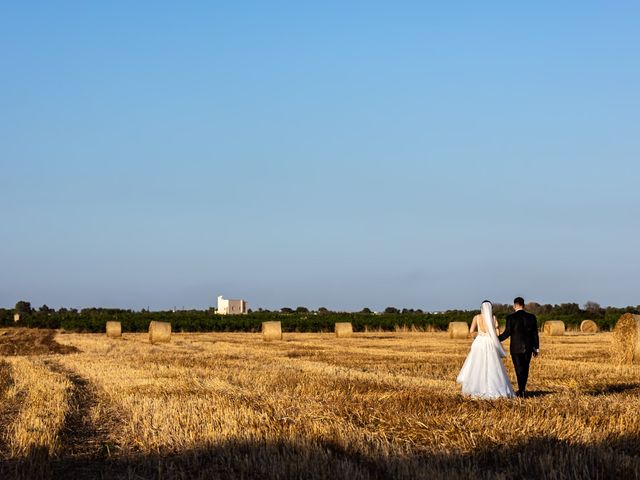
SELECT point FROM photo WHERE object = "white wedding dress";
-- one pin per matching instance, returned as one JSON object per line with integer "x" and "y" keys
{"x": 483, "y": 374}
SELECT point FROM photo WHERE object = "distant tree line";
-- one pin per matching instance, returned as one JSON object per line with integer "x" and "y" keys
{"x": 300, "y": 319}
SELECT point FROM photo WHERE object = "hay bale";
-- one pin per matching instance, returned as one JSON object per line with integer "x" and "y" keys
{"x": 114, "y": 329}
{"x": 626, "y": 339}
{"x": 554, "y": 328}
{"x": 458, "y": 330}
{"x": 589, "y": 326}
{"x": 343, "y": 329}
{"x": 159, "y": 332}
{"x": 271, "y": 331}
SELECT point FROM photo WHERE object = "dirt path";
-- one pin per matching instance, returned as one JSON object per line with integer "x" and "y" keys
{"x": 84, "y": 439}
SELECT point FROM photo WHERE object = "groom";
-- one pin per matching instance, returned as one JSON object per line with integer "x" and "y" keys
{"x": 522, "y": 327}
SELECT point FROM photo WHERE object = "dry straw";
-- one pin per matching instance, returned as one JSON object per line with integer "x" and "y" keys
{"x": 554, "y": 328}
{"x": 114, "y": 329}
{"x": 159, "y": 332}
{"x": 458, "y": 330}
{"x": 626, "y": 339}
{"x": 589, "y": 326}
{"x": 271, "y": 331}
{"x": 344, "y": 329}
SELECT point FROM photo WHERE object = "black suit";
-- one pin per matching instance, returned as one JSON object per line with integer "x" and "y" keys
{"x": 522, "y": 327}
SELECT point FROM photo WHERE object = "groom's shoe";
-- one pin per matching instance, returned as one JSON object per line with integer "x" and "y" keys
{"x": 520, "y": 394}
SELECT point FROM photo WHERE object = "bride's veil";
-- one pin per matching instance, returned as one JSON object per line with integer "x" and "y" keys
{"x": 487, "y": 316}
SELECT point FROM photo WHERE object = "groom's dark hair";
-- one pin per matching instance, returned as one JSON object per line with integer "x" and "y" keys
{"x": 519, "y": 301}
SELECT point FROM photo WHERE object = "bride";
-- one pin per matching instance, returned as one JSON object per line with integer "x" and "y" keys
{"x": 483, "y": 374}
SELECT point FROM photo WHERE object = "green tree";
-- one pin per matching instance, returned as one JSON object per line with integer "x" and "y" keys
{"x": 592, "y": 307}
{"x": 45, "y": 309}
{"x": 23, "y": 307}
{"x": 533, "y": 307}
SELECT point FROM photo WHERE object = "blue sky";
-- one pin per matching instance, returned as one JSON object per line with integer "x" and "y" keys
{"x": 342, "y": 154}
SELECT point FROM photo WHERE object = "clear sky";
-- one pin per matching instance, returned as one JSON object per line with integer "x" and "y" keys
{"x": 343, "y": 154}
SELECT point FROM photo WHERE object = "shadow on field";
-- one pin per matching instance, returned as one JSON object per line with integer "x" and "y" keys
{"x": 537, "y": 393}
{"x": 540, "y": 458}
{"x": 614, "y": 388}
{"x": 31, "y": 341}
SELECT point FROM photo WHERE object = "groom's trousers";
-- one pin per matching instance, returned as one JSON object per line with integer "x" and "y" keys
{"x": 521, "y": 363}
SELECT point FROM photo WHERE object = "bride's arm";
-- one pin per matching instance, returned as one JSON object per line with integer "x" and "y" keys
{"x": 474, "y": 325}
{"x": 495, "y": 322}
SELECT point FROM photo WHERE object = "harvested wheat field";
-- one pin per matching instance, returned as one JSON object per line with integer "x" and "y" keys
{"x": 373, "y": 406}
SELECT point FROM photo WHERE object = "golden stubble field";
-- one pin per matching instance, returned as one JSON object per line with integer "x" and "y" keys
{"x": 378, "y": 405}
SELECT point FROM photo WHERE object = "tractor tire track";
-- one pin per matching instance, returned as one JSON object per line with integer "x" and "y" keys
{"x": 84, "y": 440}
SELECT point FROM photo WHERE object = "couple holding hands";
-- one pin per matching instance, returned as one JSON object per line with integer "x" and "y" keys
{"x": 483, "y": 374}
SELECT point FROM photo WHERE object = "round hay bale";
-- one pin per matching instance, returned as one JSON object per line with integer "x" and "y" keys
{"x": 589, "y": 326}
{"x": 271, "y": 331}
{"x": 458, "y": 330}
{"x": 159, "y": 332}
{"x": 626, "y": 339}
{"x": 554, "y": 328}
{"x": 343, "y": 329}
{"x": 114, "y": 329}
